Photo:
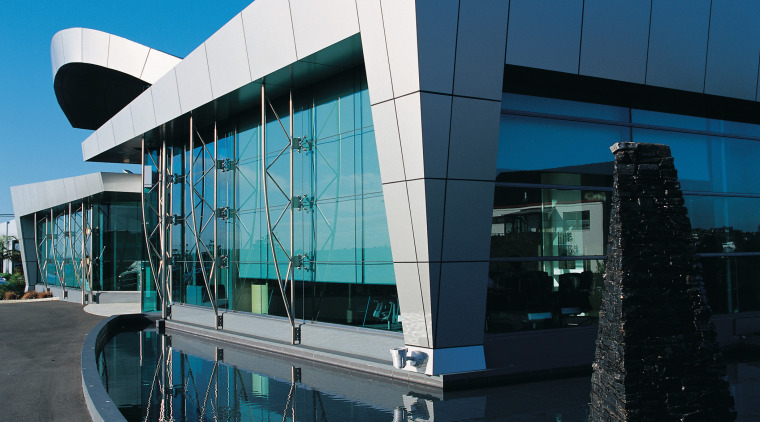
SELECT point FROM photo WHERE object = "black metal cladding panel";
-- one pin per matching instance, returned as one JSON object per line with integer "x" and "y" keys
{"x": 615, "y": 39}
{"x": 89, "y": 94}
{"x": 545, "y": 34}
{"x": 677, "y": 44}
{"x": 733, "y": 49}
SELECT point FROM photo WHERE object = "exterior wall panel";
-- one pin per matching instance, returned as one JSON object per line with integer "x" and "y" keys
{"x": 228, "y": 58}
{"x": 274, "y": 47}
{"x": 615, "y": 40}
{"x": 127, "y": 56}
{"x": 436, "y": 35}
{"x": 426, "y": 204}
{"x": 193, "y": 81}
{"x": 95, "y": 47}
{"x": 72, "y": 45}
{"x": 334, "y": 23}
{"x": 402, "y": 233}
{"x": 388, "y": 143}
{"x": 166, "y": 98}
{"x": 123, "y": 128}
{"x": 401, "y": 43}
{"x": 545, "y": 34}
{"x": 478, "y": 70}
{"x": 143, "y": 116}
{"x": 678, "y": 44}
{"x": 373, "y": 39}
{"x": 733, "y": 49}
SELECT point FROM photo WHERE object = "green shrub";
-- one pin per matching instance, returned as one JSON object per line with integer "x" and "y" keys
{"x": 15, "y": 285}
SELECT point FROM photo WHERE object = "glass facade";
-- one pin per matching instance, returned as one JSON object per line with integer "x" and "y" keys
{"x": 99, "y": 241}
{"x": 551, "y": 206}
{"x": 226, "y": 184}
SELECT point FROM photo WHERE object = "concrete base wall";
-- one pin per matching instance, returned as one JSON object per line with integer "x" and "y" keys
{"x": 548, "y": 350}
{"x": 363, "y": 342}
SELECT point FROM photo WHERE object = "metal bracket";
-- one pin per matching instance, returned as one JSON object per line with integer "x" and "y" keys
{"x": 296, "y": 334}
{"x": 300, "y": 261}
{"x": 177, "y": 178}
{"x": 177, "y": 219}
{"x": 219, "y": 353}
{"x": 219, "y": 321}
{"x": 226, "y": 164}
{"x": 222, "y": 261}
{"x": 303, "y": 202}
{"x": 224, "y": 213}
{"x": 295, "y": 374}
{"x": 302, "y": 144}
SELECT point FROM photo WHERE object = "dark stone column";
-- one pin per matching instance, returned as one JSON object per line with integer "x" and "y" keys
{"x": 657, "y": 358}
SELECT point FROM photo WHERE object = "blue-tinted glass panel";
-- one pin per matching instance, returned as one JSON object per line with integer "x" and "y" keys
{"x": 563, "y": 107}
{"x": 710, "y": 164}
{"x": 528, "y": 295}
{"x": 549, "y": 222}
{"x": 724, "y": 224}
{"x": 732, "y": 283}
{"x": 529, "y": 144}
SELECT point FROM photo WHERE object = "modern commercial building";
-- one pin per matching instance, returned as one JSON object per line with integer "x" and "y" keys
{"x": 438, "y": 168}
{"x": 82, "y": 236}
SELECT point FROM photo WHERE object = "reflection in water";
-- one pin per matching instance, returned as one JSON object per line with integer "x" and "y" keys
{"x": 153, "y": 377}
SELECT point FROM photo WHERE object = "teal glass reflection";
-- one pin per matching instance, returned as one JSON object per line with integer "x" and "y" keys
{"x": 340, "y": 236}
{"x": 533, "y": 222}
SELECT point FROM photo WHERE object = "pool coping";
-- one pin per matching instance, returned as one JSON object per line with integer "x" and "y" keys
{"x": 99, "y": 403}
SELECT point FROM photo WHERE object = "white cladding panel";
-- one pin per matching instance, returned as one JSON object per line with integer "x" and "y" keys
{"x": 228, "y": 58}
{"x": 316, "y": 26}
{"x": 166, "y": 98}
{"x": 127, "y": 56}
{"x": 193, "y": 80}
{"x": 95, "y": 47}
{"x": 268, "y": 37}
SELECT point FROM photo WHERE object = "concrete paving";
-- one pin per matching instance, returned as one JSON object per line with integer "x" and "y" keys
{"x": 40, "y": 368}
{"x": 110, "y": 309}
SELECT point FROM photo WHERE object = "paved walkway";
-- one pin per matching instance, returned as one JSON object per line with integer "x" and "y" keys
{"x": 40, "y": 368}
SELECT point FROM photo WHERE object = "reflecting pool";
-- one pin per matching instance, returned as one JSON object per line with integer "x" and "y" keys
{"x": 175, "y": 377}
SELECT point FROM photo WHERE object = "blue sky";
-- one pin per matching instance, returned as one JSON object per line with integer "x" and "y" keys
{"x": 38, "y": 143}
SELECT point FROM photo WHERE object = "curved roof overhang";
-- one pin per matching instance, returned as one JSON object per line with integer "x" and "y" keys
{"x": 267, "y": 43}
{"x": 34, "y": 197}
{"x": 97, "y": 74}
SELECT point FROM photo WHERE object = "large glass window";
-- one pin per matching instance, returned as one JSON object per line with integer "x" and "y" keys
{"x": 340, "y": 230}
{"x": 551, "y": 206}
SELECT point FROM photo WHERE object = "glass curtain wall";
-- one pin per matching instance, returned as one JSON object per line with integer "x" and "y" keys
{"x": 111, "y": 236}
{"x": 340, "y": 244}
{"x": 120, "y": 246}
{"x": 552, "y": 199}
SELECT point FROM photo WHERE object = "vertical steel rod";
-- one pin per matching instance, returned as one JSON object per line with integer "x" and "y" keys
{"x": 292, "y": 228}
{"x": 162, "y": 224}
{"x": 170, "y": 226}
{"x": 215, "y": 264}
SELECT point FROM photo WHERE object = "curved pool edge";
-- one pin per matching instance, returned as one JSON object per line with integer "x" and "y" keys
{"x": 98, "y": 402}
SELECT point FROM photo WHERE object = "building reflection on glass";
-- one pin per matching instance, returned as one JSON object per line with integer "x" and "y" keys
{"x": 552, "y": 202}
